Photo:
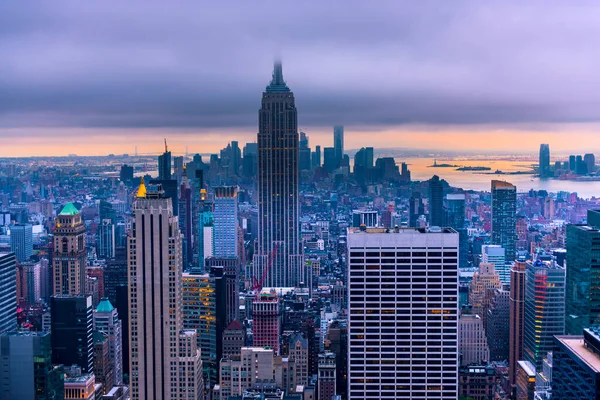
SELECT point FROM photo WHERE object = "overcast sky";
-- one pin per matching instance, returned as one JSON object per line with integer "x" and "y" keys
{"x": 196, "y": 67}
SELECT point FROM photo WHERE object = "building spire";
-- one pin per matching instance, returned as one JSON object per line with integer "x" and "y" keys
{"x": 277, "y": 83}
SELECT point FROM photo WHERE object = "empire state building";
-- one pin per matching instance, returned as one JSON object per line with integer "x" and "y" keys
{"x": 278, "y": 261}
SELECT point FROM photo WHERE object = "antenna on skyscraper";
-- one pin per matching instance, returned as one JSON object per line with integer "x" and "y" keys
{"x": 166, "y": 151}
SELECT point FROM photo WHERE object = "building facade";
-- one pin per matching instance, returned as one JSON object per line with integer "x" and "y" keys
{"x": 164, "y": 359}
{"x": 106, "y": 320}
{"x": 279, "y": 252}
{"x": 26, "y": 369}
{"x": 583, "y": 277}
{"x": 544, "y": 309}
{"x": 517, "y": 318}
{"x": 266, "y": 321}
{"x": 69, "y": 258}
{"x": 226, "y": 221}
{"x": 8, "y": 292}
{"x": 504, "y": 217}
{"x": 72, "y": 327}
{"x": 403, "y": 307}
{"x": 21, "y": 241}
{"x": 576, "y": 366}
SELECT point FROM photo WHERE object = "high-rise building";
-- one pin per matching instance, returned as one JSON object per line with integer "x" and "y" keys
{"x": 72, "y": 328}
{"x": 204, "y": 312}
{"x": 504, "y": 217}
{"x": 316, "y": 157}
{"x": 576, "y": 366}
{"x": 304, "y": 161}
{"x": 21, "y": 241}
{"x": 544, "y": 309}
{"x": 240, "y": 373}
{"x": 69, "y": 258}
{"x": 26, "y": 370}
{"x": 164, "y": 164}
{"x": 229, "y": 269}
{"x": 403, "y": 308}
{"x": 495, "y": 254}
{"x": 164, "y": 358}
{"x": 498, "y": 325}
{"x": 186, "y": 221}
{"x": 279, "y": 254}
{"x": 106, "y": 320}
{"x": 104, "y": 372}
{"x": 326, "y": 376}
{"x": 517, "y": 318}
{"x": 436, "y": 202}
{"x": 226, "y": 221}
{"x": 233, "y": 339}
{"x": 455, "y": 218}
{"x": 525, "y": 380}
{"x": 178, "y": 168}
{"x": 298, "y": 351}
{"x": 544, "y": 166}
{"x": 266, "y": 321}
{"x": 590, "y": 162}
{"x": 416, "y": 208}
{"x": 330, "y": 161}
{"x": 106, "y": 239}
{"x": 484, "y": 282}
{"x": 8, "y": 292}
{"x": 338, "y": 142}
{"x": 582, "y": 302}
{"x": 472, "y": 340}
{"x": 367, "y": 218}
{"x": 126, "y": 173}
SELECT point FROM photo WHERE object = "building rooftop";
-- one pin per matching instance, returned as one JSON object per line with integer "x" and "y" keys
{"x": 433, "y": 229}
{"x": 528, "y": 367}
{"x": 576, "y": 344}
{"x": 69, "y": 209}
{"x": 104, "y": 306}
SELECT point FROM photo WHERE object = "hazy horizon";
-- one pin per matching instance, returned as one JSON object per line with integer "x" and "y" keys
{"x": 98, "y": 78}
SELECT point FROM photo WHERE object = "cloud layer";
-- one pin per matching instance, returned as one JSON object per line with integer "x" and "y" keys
{"x": 190, "y": 64}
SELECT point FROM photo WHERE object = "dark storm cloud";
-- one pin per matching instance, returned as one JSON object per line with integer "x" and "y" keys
{"x": 199, "y": 64}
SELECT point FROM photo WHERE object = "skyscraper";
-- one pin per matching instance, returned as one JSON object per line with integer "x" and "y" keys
{"x": 316, "y": 157}
{"x": 498, "y": 325}
{"x": 436, "y": 202}
{"x": 472, "y": 340}
{"x": 330, "y": 161}
{"x": 164, "y": 358}
{"x": 8, "y": 292}
{"x": 226, "y": 221}
{"x": 106, "y": 320}
{"x": 517, "y": 318}
{"x": 544, "y": 309}
{"x": 590, "y": 161}
{"x": 455, "y": 218}
{"x": 544, "y": 168}
{"x": 21, "y": 241}
{"x": 504, "y": 217}
{"x": 26, "y": 370}
{"x": 267, "y": 321}
{"x": 576, "y": 366}
{"x": 106, "y": 239}
{"x": 72, "y": 328}
{"x": 403, "y": 308}
{"x": 164, "y": 164}
{"x": 582, "y": 302}
{"x": 495, "y": 254}
{"x": 338, "y": 142}
{"x": 279, "y": 254}
{"x": 69, "y": 259}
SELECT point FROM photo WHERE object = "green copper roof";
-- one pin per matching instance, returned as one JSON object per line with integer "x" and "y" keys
{"x": 104, "y": 306}
{"x": 69, "y": 209}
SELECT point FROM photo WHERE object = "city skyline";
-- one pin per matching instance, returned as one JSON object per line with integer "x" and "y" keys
{"x": 429, "y": 82}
